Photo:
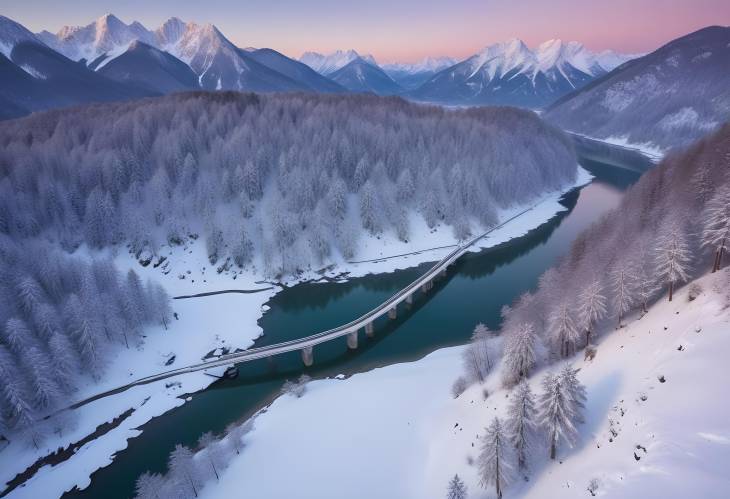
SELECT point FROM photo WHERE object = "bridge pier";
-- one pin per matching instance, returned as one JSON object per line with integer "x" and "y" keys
{"x": 427, "y": 286}
{"x": 308, "y": 356}
{"x": 352, "y": 340}
{"x": 369, "y": 329}
{"x": 392, "y": 313}
{"x": 409, "y": 299}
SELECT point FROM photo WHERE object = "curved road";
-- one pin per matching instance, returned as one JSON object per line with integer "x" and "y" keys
{"x": 315, "y": 339}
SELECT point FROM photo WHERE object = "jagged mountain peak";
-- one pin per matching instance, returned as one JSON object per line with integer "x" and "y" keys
{"x": 170, "y": 31}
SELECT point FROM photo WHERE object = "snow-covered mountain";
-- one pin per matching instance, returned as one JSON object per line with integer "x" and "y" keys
{"x": 147, "y": 67}
{"x": 108, "y": 34}
{"x": 295, "y": 70}
{"x": 432, "y": 64}
{"x": 329, "y": 63}
{"x": 13, "y": 33}
{"x": 411, "y": 76}
{"x": 667, "y": 98}
{"x": 361, "y": 76}
{"x": 511, "y": 73}
{"x": 217, "y": 62}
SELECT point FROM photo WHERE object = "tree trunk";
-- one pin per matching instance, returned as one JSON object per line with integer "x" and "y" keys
{"x": 715, "y": 263}
{"x": 212, "y": 465}
{"x": 588, "y": 337}
{"x": 192, "y": 484}
{"x": 497, "y": 480}
{"x": 722, "y": 252}
{"x": 552, "y": 450}
{"x": 671, "y": 290}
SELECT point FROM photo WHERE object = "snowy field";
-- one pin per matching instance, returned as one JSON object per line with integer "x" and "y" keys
{"x": 397, "y": 433}
{"x": 209, "y": 324}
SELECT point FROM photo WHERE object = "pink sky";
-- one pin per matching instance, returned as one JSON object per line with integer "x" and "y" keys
{"x": 403, "y": 30}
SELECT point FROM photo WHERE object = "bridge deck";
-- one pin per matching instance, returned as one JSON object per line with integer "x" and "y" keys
{"x": 315, "y": 339}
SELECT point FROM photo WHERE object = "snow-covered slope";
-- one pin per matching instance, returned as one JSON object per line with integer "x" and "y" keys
{"x": 107, "y": 34}
{"x": 294, "y": 69}
{"x": 204, "y": 325}
{"x": 146, "y": 67}
{"x": 510, "y": 73}
{"x": 396, "y": 432}
{"x": 329, "y": 63}
{"x": 12, "y": 33}
{"x": 668, "y": 98}
{"x": 427, "y": 64}
{"x": 362, "y": 76}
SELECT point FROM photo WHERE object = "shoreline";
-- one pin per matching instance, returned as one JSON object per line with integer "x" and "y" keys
{"x": 99, "y": 453}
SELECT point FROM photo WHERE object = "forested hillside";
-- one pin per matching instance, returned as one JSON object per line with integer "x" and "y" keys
{"x": 293, "y": 178}
{"x": 672, "y": 225}
{"x": 61, "y": 318}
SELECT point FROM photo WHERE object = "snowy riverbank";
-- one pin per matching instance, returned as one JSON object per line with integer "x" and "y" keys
{"x": 396, "y": 432}
{"x": 208, "y": 324}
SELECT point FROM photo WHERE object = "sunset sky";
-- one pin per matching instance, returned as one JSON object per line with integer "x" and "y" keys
{"x": 400, "y": 30}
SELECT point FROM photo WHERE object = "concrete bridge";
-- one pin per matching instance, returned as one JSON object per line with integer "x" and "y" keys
{"x": 306, "y": 345}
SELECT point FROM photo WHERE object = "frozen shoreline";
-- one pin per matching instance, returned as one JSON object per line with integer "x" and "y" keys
{"x": 211, "y": 323}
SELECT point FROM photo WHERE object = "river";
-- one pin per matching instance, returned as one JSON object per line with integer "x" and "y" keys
{"x": 475, "y": 290}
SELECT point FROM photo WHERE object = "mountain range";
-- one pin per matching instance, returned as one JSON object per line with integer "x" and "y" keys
{"x": 509, "y": 73}
{"x": 111, "y": 60}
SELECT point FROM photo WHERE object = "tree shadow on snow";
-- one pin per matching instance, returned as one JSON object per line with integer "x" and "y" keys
{"x": 601, "y": 397}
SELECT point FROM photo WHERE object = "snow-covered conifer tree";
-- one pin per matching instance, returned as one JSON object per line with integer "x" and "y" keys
{"x": 644, "y": 278}
{"x": 236, "y": 432}
{"x": 672, "y": 255}
{"x": 623, "y": 287}
{"x": 716, "y": 225}
{"x": 208, "y": 444}
{"x": 30, "y": 294}
{"x": 149, "y": 486}
{"x": 574, "y": 391}
{"x": 522, "y": 422}
{"x": 519, "y": 353}
{"x": 556, "y": 416}
{"x": 183, "y": 472}
{"x": 591, "y": 307}
{"x": 43, "y": 381}
{"x": 17, "y": 335}
{"x": 15, "y": 408}
{"x": 701, "y": 182}
{"x": 562, "y": 330}
{"x": 457, "y": 489}
{"x": 494, "y": 460}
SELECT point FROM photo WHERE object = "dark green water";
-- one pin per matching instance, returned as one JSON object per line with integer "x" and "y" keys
{"x": 474, "y": 291}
